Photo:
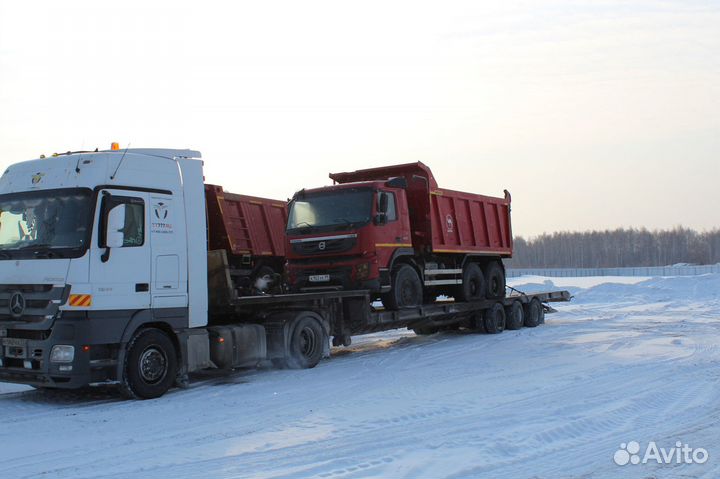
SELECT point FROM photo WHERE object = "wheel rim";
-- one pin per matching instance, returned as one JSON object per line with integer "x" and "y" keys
{"x": 308, "y": 342}
{"x": 153, "y": 365}
{"x": 407, "y": 293}
{"x": 473, "y": 285}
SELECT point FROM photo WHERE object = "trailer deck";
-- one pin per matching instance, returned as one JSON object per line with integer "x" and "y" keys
{"x": 352, "y": 312}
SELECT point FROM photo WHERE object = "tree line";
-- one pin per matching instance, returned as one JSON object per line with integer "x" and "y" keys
{"x": 616, "y": 248}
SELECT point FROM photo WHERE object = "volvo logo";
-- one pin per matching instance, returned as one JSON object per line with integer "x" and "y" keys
{"x": 17, "y": 305}
{"x": 321, "y": 245}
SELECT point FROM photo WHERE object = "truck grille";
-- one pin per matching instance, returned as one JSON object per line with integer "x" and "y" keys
{"x": 30, "y": 303}
{"x": 339, "y": 245}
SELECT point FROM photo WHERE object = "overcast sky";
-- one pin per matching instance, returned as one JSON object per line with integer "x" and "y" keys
{"x": 593, "y": 114}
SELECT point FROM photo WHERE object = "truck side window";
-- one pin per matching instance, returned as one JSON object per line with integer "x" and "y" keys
{"x": 134, "y": 222}
{"x": 391, "y": 213}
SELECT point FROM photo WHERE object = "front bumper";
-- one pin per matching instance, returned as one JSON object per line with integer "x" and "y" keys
{"x": 349, "y": 275}
{"x": 21, "y": 348}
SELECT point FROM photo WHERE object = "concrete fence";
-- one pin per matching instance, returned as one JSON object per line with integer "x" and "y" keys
{"x": 640, "y": 271}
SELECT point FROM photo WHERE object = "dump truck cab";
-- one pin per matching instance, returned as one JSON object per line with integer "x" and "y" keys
{"x": 343, "y": 236}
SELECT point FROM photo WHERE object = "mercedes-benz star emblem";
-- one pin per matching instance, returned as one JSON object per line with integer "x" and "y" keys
{"x": 17, "y": 305}
{"x": 321, "y": 245}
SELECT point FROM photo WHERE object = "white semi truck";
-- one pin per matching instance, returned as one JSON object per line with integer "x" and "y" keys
{"x": 106, "y": 278}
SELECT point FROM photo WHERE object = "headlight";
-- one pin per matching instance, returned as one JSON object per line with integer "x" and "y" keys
{"x": 362, "y": 271}
{"x": 62, "y": 354}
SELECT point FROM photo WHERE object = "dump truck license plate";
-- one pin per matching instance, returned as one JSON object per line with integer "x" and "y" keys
{"x": 319, "y": 278}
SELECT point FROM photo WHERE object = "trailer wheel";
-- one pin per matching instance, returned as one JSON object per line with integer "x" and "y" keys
{"x": 495, "y": 279}
{"x": 307, "y": 342}
{"x": 534, "y": 313}
{"x": 150, "y": 365}
{"x": 406, "y": 290}
{"x": 495, "y": 319}
{"x": 473, "y": 284}
{"x": 515, "y": 316}
{"x": 477, "y": 322}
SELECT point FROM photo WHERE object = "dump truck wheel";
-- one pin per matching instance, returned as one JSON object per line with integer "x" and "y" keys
{"x": 307, "y": 342}
{"x": 534, "y": 313}
{"x": 406, "y": 291}
{"x": 495, "y": 279}
{"x": 514, "y": 316}
{"x": 150, "y": 365}
{"x": 473, "y": 284}
{"x": 495, "y": 319}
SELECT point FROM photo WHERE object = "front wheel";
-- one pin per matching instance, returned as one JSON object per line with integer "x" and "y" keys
{"x": 406, "y": 289}
{"x": 150, "y": 365}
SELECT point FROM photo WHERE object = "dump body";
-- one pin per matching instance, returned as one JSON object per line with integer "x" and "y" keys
{"x": 245, "y": 225}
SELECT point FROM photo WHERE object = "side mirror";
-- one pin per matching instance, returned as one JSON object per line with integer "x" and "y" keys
{"x": 380, "y": 219}
{"x": 115, "y": 234}
{"x": 383, "y": 203}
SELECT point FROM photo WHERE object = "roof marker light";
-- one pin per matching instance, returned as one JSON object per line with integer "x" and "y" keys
{"x": 115, "y": 146}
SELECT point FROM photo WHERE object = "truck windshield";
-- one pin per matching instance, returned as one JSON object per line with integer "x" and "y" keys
{"x": 331, "y": 210}
{"x": 51, "y": 223}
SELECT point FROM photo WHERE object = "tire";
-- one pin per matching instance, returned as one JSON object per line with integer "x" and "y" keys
{"x": 477, "y": 322}
{"x": 307, "y": 343}
{"x": 406, "y": 289}
{"x": 150, "y": 365}
{"x": 534, "y": 313}
{"x": 473, "y": 284}
{"x": 266, "y": 273}
{"x": 494, "y": 319}
{"x": 495, "y": 280}
{"x": 514, "y": 316}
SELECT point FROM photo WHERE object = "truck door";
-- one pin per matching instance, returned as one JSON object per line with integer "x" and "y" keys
{"x": 120, "y": 274}
{"x": 395, "y": 233}
{"x": 169, "y": 258}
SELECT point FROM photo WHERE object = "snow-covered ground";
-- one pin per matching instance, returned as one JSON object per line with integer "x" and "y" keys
{"x": 629, "y": 359}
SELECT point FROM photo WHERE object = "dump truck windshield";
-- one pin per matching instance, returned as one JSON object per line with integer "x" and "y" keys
{"x": 326, "y": 211}
{"x": 50, "y": 222}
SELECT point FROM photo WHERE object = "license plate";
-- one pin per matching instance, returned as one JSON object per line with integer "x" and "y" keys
{"x": 319, "y": 278}
{"x": 17, "y": 342}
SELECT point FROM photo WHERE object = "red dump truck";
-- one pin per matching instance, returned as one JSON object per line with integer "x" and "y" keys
{"x": 393, "y": 231}
{"x": 250, "y": 233}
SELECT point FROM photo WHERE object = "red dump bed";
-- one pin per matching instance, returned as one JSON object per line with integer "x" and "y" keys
{"x": 446, "y": 221}
{"x": 245, "y": 225}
